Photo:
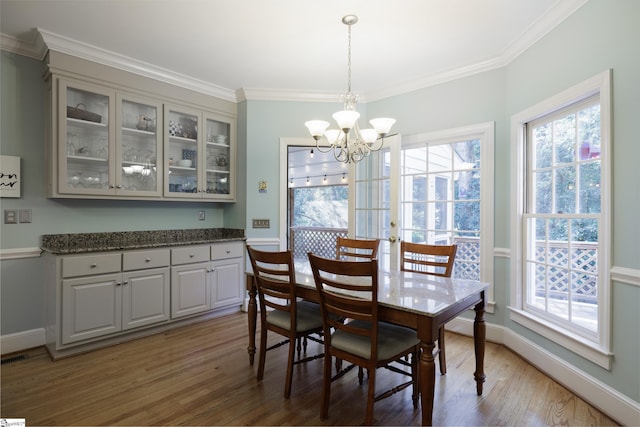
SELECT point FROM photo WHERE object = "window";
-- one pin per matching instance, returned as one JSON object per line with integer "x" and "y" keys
{"x": 447, "y": 193}
{"x": 563, "y": 218}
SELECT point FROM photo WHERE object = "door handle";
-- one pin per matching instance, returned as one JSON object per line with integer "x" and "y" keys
{"x": 392, "y": 239}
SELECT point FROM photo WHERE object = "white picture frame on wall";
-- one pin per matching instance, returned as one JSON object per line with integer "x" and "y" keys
{"x": 10, "y": 177}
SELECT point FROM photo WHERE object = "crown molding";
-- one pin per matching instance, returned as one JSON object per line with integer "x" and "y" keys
{"x": 82, "y": 50}
{"x": 35, "y": 48}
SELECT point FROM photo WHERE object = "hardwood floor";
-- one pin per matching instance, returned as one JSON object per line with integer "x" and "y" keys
{"x": 199, "y": 375}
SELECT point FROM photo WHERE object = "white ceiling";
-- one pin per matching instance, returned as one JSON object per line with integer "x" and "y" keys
{"x": 296, "y": 46}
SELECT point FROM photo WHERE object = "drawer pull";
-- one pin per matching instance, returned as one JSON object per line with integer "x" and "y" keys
{"x": 191, "y": 255}
{"x": 93, "y": 265}
{"x": 147, "y": 260}
{"x": 228, "y": 251}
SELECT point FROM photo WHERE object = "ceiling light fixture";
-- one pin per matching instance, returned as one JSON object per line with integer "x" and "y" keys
{"x": 349, "y": 143}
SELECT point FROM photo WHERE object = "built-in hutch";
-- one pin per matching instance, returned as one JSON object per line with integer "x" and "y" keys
{"x": 117, "y": 135}
{"x": 104, "y": 288}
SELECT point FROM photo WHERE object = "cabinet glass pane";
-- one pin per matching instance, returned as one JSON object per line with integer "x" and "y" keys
{"x": 138, "y": 149}
{"x": 218, "y": 157}
{"x": 183, "y": 152}
{"x": 87, "y": 124}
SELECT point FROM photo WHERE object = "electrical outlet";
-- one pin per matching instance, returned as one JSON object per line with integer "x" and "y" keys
{"x": 201, "y": 215}
{"x": 261, "y": 223}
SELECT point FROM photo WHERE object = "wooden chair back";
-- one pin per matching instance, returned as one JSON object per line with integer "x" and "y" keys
{"x": 436, "y": 260}
{"x": 333, "y": 278}
{"x": 274, "y": 276}
{"x": 356, "y": 249}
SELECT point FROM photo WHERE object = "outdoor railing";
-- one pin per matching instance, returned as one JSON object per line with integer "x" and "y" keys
{"x": 583, "y": 257}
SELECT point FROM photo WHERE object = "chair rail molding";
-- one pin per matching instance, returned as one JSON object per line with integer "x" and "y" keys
{"x": 19, "y": 253}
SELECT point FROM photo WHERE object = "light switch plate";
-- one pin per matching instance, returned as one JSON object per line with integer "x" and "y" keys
{"x": 10, "y": 216}
{"x": 261, "y": 223}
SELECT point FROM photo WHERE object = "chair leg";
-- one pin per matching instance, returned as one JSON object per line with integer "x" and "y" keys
{"x": 442, "y": 360}
{"x": 370, "y": 397}
{"x": 326, "y": 386}
{"x": 299, "y": 346}
{"x": 263, "y": 352}
{"x": 415, "y": 396}
{"x": 289, "y": 378}
{"x": 360, "y": 375}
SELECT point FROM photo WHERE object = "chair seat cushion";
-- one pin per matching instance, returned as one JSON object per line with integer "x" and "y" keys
{"x": 392, "y": 340}
{"x": 309, "y": 317}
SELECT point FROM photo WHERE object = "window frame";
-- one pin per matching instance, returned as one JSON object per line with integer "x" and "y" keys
{"x": 598, "y": 350}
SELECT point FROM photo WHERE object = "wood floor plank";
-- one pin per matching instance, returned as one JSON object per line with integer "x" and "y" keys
{"x": 199, "y": 375}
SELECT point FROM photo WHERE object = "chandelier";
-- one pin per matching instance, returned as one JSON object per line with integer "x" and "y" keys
{"x": 349, "y": 143}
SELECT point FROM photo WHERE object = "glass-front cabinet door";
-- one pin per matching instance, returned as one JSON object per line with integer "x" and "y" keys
{"x": 139, "y": 147}
{"x": 200, "y": 155}
{"x": 86, "y": 152}
{"x": 182, "y": 152}
{"x": 218, "y": 159}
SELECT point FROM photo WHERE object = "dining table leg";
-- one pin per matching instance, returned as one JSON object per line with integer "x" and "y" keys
{"x": 479, "y": 337}
{"x": 252, "y": 310}
{"x": 427, "y": 378}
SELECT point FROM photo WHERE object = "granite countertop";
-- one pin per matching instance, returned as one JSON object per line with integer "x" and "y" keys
{"x": 100, "y": 242}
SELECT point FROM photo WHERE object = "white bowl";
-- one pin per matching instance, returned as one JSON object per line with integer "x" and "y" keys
{"x": 220, "y": 139}
{"x": 184, "y": 163}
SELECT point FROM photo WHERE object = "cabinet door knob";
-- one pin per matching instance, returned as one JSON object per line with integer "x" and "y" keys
{"x": 191, "y": 255}
{"x": 118, "y": 283}
{"x": 112, "y": 186}
{"x": 118, "y": 186}
{"x": 126, "y": 282}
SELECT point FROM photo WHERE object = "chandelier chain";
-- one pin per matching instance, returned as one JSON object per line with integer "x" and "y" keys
{"x": 349, "y": 62}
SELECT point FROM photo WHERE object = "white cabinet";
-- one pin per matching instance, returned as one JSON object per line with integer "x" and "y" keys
{"x": 91, "y": 307}
{"x": 111, "y": 141}
{"x": 95, "y": 304}
{"x": 146, "y": 288}
{"x": 199, "y": 152}
{"x": 107, "y": 143}
{"x": 227, "y": 271}
{"x": 190, "y": 288}
{"x": 99, "y": 298}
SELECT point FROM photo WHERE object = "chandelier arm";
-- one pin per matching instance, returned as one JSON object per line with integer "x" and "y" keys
{"x": 320, "y": 148}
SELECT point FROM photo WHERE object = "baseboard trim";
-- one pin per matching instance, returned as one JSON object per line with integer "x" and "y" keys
{"x": 609, "y": 401}
{"x": 20, "y": 341}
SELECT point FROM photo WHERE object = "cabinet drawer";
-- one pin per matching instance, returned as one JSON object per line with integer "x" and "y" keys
{"x": 227, "y": 250}
{"x": 189, "y": 255}
{"x": 138, "y": 260}
{"x": 85, "y": 265}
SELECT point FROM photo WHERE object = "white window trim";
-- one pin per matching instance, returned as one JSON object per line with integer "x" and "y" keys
{"x": 600, "y": 352}
{"x": 485, "y": 132}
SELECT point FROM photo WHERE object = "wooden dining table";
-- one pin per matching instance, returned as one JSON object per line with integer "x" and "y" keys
{"x": 418, "y": 301}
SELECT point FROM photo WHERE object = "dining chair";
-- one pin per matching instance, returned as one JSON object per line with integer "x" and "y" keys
{"x": 356, "y": 249}
{"x": 436, "y": 260}
{"x": 349, "y": 289}
{"x": 280, "y": 310}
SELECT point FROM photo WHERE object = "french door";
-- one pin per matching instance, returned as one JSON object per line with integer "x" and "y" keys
{"x": 374, "y": 188}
